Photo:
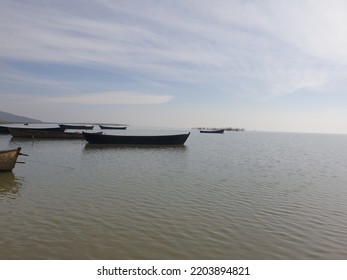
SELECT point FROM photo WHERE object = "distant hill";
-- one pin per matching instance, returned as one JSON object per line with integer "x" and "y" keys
{"x": 7, "y": 117}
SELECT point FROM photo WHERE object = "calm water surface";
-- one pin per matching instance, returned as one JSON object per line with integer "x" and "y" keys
{"x": 239, "y": 195}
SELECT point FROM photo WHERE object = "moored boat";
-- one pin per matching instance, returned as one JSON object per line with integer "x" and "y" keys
{"x": 220, "y": 131}
{"x": 76, "y": 126}
{"x": 8, "y": 159}
{"x": 6, "y": 129}
{"x": 178, "y": 139}
{"x": 42, "y": 134}
{"x": 15, "y": 129}
{"x": 112, "y": 126}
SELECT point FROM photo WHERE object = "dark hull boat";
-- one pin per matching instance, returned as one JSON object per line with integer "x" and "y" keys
{"x": 19, "y": 130}
{"x": 220, "y": 131}
{"x": 8, "y": 159}
{"x": 42, "y": 134}
{"x": 178, "y": 139}
{"x": 73, "y": 126}
{"x": 6, "y": 129}
{"x": 112, "y": 127}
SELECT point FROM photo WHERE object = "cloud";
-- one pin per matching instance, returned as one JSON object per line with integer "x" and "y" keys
{"x": 110, "y": 98}
{"x": 165, "y": 36}
{"x": 100, "y": 98}
{"x": 300, "y": 81}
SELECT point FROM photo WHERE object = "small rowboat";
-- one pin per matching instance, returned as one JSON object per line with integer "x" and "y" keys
{"x": 8, "y": 159}
{"x": 177, "y": 139}
{"x": 220, "y": 131}
{"x": 112, "y": 127}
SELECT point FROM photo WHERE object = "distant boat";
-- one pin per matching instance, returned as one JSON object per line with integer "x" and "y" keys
{"x": 6, "y": 129}
{"x": 19, "y": 129}
{"x": 220, "y": 131}
{"x": 76, "y": 126}
{"x": 178, "y": 139}
{"x": 8, "y": 159}
{"x": 44, "y": 134}
{"x": 112, "y": 126}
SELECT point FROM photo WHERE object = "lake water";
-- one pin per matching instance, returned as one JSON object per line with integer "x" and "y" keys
{"x": 237, "y": 195}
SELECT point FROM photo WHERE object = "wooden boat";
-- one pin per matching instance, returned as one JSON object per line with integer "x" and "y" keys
{"x": 15, "y": 129}
{"x": 43, "y": 134}
{"x": 178, "y": 139}
{"x": 8, "y": 159}
{"x": 76, "y": 126}
{"x": 112, "y": 127}
{"x": 6, "y": 129}
{"x": 220, "y": 131}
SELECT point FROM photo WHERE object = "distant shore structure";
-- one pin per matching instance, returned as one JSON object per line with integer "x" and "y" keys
{"x": 220, "y": 128}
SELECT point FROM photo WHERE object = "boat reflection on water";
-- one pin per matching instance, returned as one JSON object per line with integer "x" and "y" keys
{"x": 9, "y": 183}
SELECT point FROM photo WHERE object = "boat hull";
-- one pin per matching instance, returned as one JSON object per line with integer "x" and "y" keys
{"x": 178, "y": 139}
{"x": 112, "y": 127}
{"x": 8, "y": 159}
{"x": 71, "y": 126}
{"x": 43, "y": 134}
{"x": 218, "y": 131}
{"x": 18, "y": 131}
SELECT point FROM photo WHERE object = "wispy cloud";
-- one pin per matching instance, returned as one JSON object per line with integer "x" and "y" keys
{"x": 288, "y": 84}
{"x": 97, "y": 98}
{"x": 110, "y": 98}
{"x": 185, "y": 41}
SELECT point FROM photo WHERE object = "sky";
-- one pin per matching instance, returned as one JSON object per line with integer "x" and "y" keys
{"x": 264, "y": 65}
